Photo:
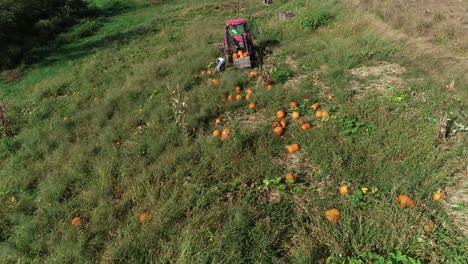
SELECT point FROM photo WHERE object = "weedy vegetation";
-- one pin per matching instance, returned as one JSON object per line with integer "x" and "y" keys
{"x": 113, "y": 124}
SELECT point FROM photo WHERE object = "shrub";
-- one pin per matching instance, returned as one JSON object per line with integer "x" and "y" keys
{"x": 319, "y": 17}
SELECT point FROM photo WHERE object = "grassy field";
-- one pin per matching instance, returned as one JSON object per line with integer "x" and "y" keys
{"x": 114, "y": 119}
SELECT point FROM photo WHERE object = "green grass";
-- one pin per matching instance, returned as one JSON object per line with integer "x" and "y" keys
{"x": 206, "y": 198}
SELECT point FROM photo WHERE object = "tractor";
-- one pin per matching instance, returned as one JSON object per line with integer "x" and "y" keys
{"x": 238, "y": 47}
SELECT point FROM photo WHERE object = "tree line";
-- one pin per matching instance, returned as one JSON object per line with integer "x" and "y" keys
{"x": 25, "y": 23}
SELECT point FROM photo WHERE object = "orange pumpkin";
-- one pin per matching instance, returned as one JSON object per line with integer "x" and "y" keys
{"x": 224, "y": 137}
{"x": 238, "y": 97}
{"x": 203, "y": 72}
{"x": 254, "y": 73}
{"x": 118, "y": 143}
{"x": 215, "y": 82}
{"x": 246, "y": 54}
{"x": 428, "y": 227}
{"x": 290, "y": 178}
{"x": 216, "y": 133}
{"x": 333, "y": 215}
{"x": 248, "y": 91}
{"x": 276, "y": 124}
{"x": 240, "y": 53}
{"x": 252, "y": 105}
{"x": 324, "y": 113}
{"x": 438, "y": 196}
{"x": 142, "y": 218}
{"x": 269, "y": 87}
{"x": 280, "y": 114}
{"x": 295, "y": 115}
{"x": 283, "y": 123}
{"x": 292, "y": 104}
{"x": 230, "y": 98}
{"x": 235, "y": 56}
{"x": 404, "y": 201}
{"x": 344, "y": 190}
{"x": 209, "y": 72}
{"x": 279, "y": 131}
{"x": 330, "y": 97}
{"x": 315, "y": 106}
{"x": 306, "y": 127}
{"x": 248, "y": 96}
{"x": 218, "y": 121}
{"x": 226, "y": 131}
{"x": 301, "y": 122}
{"x": 293, "y": 148}
{"x": 306, "y": 100}
{"x": 76, "y": 221}
{"x": 238, "y": 89}
{"x": 250, "y": 76}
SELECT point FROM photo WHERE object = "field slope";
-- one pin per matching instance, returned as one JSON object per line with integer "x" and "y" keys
{"x": 108, "y": 154}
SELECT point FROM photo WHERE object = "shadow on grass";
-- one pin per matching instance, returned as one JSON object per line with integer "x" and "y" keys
{"x": 82, "y": 39}
{"x": 263, "y": 49}
{"x": 73, "y": 52}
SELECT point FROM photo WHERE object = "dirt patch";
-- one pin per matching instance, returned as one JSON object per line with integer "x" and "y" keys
{"x": 457, "y": 201}
{"x": 13, "y": 75}
{"x": 253, "y": 121}
{"x": 377, "y": 79}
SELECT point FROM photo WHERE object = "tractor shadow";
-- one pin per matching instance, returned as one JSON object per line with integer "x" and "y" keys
{"x": 263, "y": 50}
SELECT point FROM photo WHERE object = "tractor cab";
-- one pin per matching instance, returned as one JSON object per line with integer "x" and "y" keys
{"x": 238, "y": 43}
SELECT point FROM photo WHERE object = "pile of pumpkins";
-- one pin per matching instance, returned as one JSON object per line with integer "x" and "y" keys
{"x": 240, "y": 54}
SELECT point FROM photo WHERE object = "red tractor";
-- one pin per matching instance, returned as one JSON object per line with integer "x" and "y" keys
{"x": 238, "y": 46}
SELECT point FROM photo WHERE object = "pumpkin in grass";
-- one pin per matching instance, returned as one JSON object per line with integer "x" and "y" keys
{"x": 306, "y": 127}
{"x": 248, "y": 91}
{"x": 203, "y": 72}
{"x": 292, "y": 104}
{"x": 216, "y": 133}
{"x": 142, "y": 218}
{"x": 230, "y": 98}
{"x": 76, "y": 221}
{"x": 209, "y": 72}
{"x": 333, "y": 215}
{"x": 404, "y": 201}
{"x": 269, "y": 87}
{"x": 428, "y": 227}
{"x": 238, "y": 97}
{"x": 252, "y": 105}
{"x": 295, "y": 115}
{"x": 330, "y": 97}
{"x": 290, "y": 178}
{"x": 226, "y": 131}
{"x": 306, "y": 100}
{"x": 224, "y": 137}
{"x": 315, "y": 106}
{"x": 280, "y": 114}
{"x": 248, "y": 96}
{"x": 283, "y": 123}
{"x": 325, "y": 113}
{"x": 218, "y": 121}
{"x": 276, "y": 124}
{"x": 215, "y": 82}
{"x": 238, "y": 89}
{"x": 293, "y": 148}
{"x": 279, "y": 131}
{"x": 301, "y": 122}
{"x": 344, "y": 190}
{"x": 438, "y": 196}
{"x": 250, "y": 76}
